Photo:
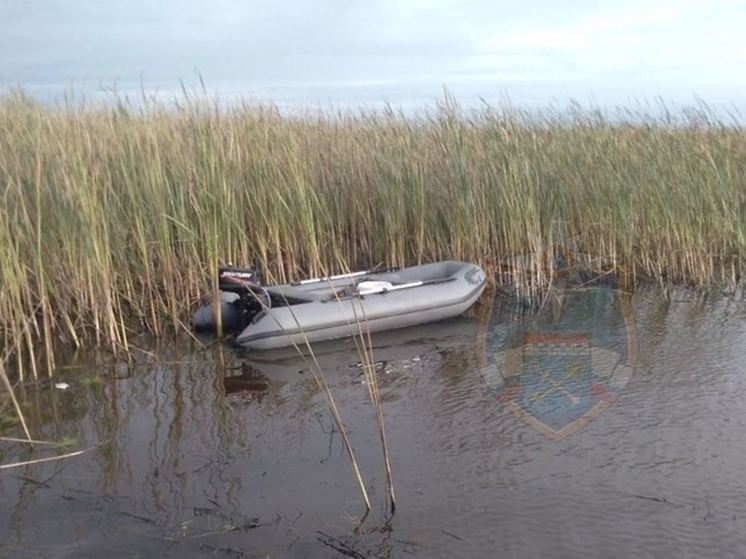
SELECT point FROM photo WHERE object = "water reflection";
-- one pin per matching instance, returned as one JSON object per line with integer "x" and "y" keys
{"x": 226, "y": 452}
{"x": 564, "y": 366}
{"x": 250, "y": 383}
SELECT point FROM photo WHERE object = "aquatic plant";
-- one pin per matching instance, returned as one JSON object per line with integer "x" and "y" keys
{"x": 112, "y": 218}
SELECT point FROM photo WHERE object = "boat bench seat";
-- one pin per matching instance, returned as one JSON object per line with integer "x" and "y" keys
{"x": 301, "y": 293}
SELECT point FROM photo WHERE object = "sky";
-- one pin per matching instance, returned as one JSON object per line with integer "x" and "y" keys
{"x": 406, "y": 52}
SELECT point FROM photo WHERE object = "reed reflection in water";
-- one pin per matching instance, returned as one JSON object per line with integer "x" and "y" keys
{"x": 495, "y": 444}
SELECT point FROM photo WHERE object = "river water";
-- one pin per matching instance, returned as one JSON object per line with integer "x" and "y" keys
{"x": 606, "y": 424}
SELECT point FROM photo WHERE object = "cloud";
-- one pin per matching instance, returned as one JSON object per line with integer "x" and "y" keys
{"x": 238, "y": 44}
{"x": 639, "y": 38}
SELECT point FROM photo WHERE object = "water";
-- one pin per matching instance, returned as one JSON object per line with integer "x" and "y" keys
{"x": 605, "y": 425}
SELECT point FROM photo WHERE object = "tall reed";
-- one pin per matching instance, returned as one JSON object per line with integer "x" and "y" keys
{"x": 112, "y": 218}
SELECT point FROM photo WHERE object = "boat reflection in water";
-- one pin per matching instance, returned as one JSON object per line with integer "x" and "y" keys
{"x": 559, "y": 369}
{"x": 336, "y": 356}
{"x": 250, "y": 383}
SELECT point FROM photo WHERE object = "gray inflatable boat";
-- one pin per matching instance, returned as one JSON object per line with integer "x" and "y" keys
{"x": 328, "y": 308}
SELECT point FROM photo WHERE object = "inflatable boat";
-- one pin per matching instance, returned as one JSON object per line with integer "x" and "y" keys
{"x": 313, "y": 310}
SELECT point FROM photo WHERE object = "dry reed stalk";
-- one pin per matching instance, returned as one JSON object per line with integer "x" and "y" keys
{"x": 47, "y": 459}
{"x": 369, "y": 368}
{"x": 27, "y": 441}
{"x": 364, "y": 345}
{"x": 16, "y": 405}
{"x": 320, "y": 380}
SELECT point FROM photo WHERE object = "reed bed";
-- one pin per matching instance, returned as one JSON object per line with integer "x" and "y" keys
{"x": 112, "y": 218}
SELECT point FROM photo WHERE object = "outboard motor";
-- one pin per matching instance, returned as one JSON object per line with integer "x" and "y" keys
{"x": 252, "y": 297}
{"x": 242, "y": 297}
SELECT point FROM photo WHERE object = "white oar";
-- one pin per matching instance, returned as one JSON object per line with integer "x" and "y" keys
{"x": 331, "y": 278}
{"x": 343, "y": 276}
{"x": 373, "y": 289}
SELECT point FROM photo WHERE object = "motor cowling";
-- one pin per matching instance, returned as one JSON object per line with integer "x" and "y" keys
{"x": 252, "y": 297}
{"x": 236, "y": 280}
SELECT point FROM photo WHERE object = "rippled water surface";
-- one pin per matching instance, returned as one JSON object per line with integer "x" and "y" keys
{"x": 605, "y": 425}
